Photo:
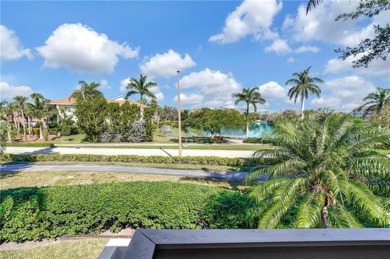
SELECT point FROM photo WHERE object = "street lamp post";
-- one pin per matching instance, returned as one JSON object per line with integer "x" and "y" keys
{"x": 178, "y": 111}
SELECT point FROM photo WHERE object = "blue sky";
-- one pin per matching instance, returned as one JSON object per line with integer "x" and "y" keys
{"x": 220, "y": 47}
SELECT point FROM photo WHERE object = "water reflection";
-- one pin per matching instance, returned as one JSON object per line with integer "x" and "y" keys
{"x": 255, "y": 130}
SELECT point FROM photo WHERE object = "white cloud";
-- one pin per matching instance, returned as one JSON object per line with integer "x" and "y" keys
{"x": 272, "y": 90}
{"x": 11, "y": 48}
{"x": 291, "y": 60}
{"x": 279, "y": 46}
{"x": 166, "y": 65}
{"x": 345, "y": 93}
{"x": 104, "y": 84}
{"x": 215, "y": 88}
{"x": 8, "y": 91}
{"x": 82, "y": 50}
{"x": 123, "y": 84}
{"x": 190, "y": 99}
{"x": 377, "y": 68}
{"x": 250, "y": 18}
{"x": 306, "y": 48}
{"x": 157, "y": 92}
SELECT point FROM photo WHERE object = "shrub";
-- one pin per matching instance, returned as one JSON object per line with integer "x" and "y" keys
{"x": 218, "y": 161}
{"x": 33, "y": 144}
{"x": 50, "y": 212}
{"x": 253, "y": 140}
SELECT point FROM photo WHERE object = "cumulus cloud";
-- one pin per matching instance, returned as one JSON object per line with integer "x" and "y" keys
{"x": 279, "y": 46}
{"x": 11, "y": 48}
{"x": 306, "y": 48}
{"x": 9, "y": 91}
{"x": 166, "y": 65}
{"x": 81, "y": 49}
{"x": 291, "y": 60}
{"x": 272, "y": 90}
{"x": 104, "y": 84}
{"x": 250, "y": 18}
{"x": 209, "y": 88}
{"x": 345, "y": 93}
{"x": 377, "y": 68}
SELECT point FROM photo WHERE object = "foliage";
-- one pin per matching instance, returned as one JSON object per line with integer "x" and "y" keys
{"x": 377, "y": 102}
{"x": 39, "y": 110}
{"x": 327, "y": 167}
{"x": 213, "y": 120}
{"x": 3, "y": 137}
{"x": 141, "y": 87}
{"x": 67, "y": 127}
{"x": 134, "y": 159}
{"x": 168, "y": 113}
{"x": 38, "y": 213}
{"x": 229, "y": 210}
{"x": 87, "y": 92}
{"x": 91, "y": 117}
{"x": 250, "y": 97}
{"x": 303, "y": 84}
{"x": 33, "y": 144}
{"x": 253, "y": 140}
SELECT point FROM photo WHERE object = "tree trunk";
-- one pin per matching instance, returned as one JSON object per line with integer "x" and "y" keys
{"x": 24, "y": 127}
{"x": 247, "y": 130}
{"x": 302, "y": 109}
{"x": 29, "y": 125}
{"x": 325, "y": 217}
{"x": 40, "y": 131}
{"x": 9, "y": 133}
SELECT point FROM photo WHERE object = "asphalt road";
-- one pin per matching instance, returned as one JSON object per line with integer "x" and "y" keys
{"x": 211, "y": 174}
{"x": 128, "y": 151}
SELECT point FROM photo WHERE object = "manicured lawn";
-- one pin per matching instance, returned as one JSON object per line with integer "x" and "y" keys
{"x": 39, "y": 179}
{"x": 63, "y": 249}
{"x": 73, "y": 139}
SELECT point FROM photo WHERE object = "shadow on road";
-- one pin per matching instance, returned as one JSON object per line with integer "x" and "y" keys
{"x": 46, "y": 151}
{"x": 11, "y": 169}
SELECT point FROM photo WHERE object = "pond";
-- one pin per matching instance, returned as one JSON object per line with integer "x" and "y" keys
{"x": 256, "y": 130}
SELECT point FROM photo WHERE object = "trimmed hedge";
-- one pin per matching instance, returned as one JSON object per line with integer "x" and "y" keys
{"x": 223, "y": 161}
{"x": 32, "y": 144}
{"x": 50, "y": 212}
{"x": 253, "y": 140}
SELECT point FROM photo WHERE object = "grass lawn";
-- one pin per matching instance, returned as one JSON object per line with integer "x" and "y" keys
{"x": 73, "y": 139}
{"x": 86, "y": 249}
{"x": 46, "y": 178}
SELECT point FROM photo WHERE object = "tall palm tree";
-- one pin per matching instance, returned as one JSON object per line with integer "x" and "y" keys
{"x": 250, "y": 97}
{"x": 376, "y": 102}
{"x": 38, "y": 110}
{"x": 87, "y": 91}
{"x": 303, "y": 84}
{"x": 327, "y": 169}
{"x": 20, "y": 102}
{"x": 312, "y": 4}
{"x": 141, "y": 87}
{"x": 6, "y": 112}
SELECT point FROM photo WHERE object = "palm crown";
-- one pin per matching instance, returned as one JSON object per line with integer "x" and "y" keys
{"x": 327, "y": 170}
{"x": 303, "y": 84}
{"x": 87, "y": 91}
{"x": 376, "y": 102}
{"x": 141, "y": 87}
{"x": 250, "y": 97}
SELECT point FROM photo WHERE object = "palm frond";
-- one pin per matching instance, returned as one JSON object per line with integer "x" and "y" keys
{"x": 309, "y": 210}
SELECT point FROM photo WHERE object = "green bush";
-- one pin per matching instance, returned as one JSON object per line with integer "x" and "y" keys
{"x": 217, "y": 161}
{"x": 33, "y": 144}
{"x": 50, "y": 212}
{"x": 253, "y": 140}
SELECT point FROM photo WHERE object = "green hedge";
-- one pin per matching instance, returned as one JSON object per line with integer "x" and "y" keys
{"x": 223, "y": 161}
{"x": 32, "y": 144}
{"x": 50, "y": 212}
{"x": 253, "y": 140}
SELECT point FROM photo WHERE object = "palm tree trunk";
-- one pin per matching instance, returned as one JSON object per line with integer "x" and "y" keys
{"x": 24, "y": 127}
{"x": 325, "y": 217}
{"x": 302, "y": 109}
{"x": 247, "y": 130}
{"x": 247, "y": 123}
{"x": 9, "y": 133}
{"x": 40, "y": 130}
{"x": 29, "y": 125}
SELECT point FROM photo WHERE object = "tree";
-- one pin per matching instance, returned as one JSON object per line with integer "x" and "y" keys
{"x": 303, "y": 84}
{"x": 20, "y": 102}
{"x": 6, "y": 111}
{"x": 369, "y": 49}
{"x": 38, "y": 110}
{"x": 87, "y": 91}
{"x": 327, "y": 170}
{"x": 250, "y": 97}
{"x": 141, "y": 87}
{"x": 213, "y": 120}
{"x": 376, "y": 102}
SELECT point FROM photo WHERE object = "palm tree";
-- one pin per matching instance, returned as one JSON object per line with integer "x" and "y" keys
{"x": 20, "y": 102}
{"x": 141, "y": 87}
{"x": 38, "y": 110}
{"x": 312, "y": 4}
{"x": 87, "y": 91}
{"x": 250, "y": 97}
{"x": 302, "y": 85}
{"x": 376, "y": 102}
{"x": 325, "y": 168}
{"x": 6, "y": 112}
